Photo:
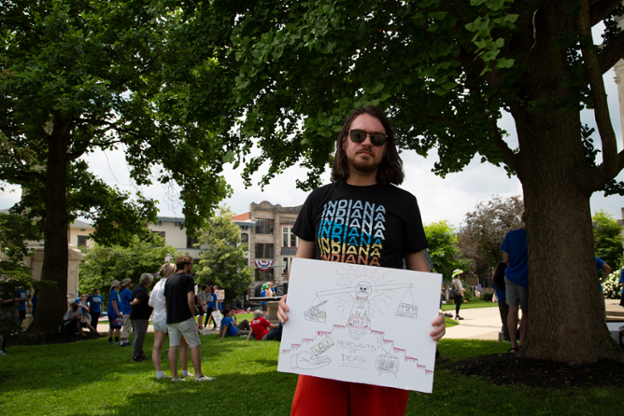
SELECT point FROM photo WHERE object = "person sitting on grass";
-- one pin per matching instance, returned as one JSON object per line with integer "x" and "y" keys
{"x": 263, "y": 330}
{"x": 72, "y": 321}
{"x": 229, "y": 326}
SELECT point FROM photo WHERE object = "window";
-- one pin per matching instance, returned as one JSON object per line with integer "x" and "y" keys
{"x": 261, "y": 276}
{"x": 82, "y": 240}
{"x": 244, "y": 238}
{"x": 264, "y": 226}
{"x": 264, "y": 251}
{"x": 159, "y": 233}
{"x": 287, "y": 263}
{"x": 191, "y": 241}
{"x": 288, "y": 238}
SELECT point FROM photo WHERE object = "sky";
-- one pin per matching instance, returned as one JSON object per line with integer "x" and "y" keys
{"x": 448, "y": 199}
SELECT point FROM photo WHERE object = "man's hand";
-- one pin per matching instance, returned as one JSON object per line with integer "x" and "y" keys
{"x": 282, "y": 310}
{"x": 307, "y": 361}
{"x": 440, "y": 328}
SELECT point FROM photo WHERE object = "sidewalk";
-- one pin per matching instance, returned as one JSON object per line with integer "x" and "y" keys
{"x": 485, "y": 323}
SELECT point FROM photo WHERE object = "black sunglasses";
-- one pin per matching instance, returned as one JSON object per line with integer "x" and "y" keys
{"x": 377, "y": 138}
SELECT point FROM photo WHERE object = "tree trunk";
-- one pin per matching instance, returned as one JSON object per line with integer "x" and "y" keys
{"x": 566, "y": 306}
{"x": 53, "y": 294}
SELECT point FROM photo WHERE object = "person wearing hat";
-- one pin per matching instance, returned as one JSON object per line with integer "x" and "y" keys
{"x": 459, "y": 298}
{"x": 126, "y": 309}
{"x": 115, "y": 317}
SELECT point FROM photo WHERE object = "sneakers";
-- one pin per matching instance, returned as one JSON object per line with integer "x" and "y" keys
{"x": 203, "y": 378}
{"x": 188, "y": 374}
{"x": 137, "y": 360}
{"x": 459, "y": 318}
{"x": 143, "y": 357}
{"x": 163, "y": 376}
{"x": 3, "y": 353}
{"x": 177, "y": 379}
{"x": 124, "y": 344}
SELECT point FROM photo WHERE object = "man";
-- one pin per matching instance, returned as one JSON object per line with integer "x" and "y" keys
{"x": 601, "y": 265}
{"x": 126, "y": 296}
{"x": 366, "y": 168}
{"x": 180, "y": 306}
{"x": 515, "y": 254}
{"x": 459, "y": 297}
{"x": 201, "y": 306}
{"x": 72, "y": 321}
{"x": 262, "y": 329}
{"x": 139, "y": 316}
{"x": 95, "y": 301}
{"x": 229, "y": 326}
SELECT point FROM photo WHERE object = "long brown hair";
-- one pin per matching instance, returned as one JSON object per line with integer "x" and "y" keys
{"x": 498, "y": 277}
{"x": 391, "y": 168}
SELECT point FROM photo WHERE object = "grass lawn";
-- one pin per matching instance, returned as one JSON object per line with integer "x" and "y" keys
{"x": 470, "y": 305}
{"x": 95, "y": 378}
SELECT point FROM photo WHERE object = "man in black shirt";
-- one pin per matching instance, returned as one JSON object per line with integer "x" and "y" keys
{"x": 180, "y": 306}
{"x": 139, "y": 316}
{"x": 361, "y": 218}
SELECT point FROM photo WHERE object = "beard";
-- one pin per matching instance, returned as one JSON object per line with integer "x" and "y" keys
{"x": 363, "y": 166}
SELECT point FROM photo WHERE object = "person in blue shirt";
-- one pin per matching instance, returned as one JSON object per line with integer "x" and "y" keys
{"x": 23, "y": 297}
{"x": 95, "y": 301}
{"x": 126, "y": 297}
{"x": 229, "y": 326}
{"x": 34, "y": 301}
{"x": 601, "y": 265}
{"x": 515, "y": 254}
{"x": 115, "y": 317}
{"x": 211, "y": 305}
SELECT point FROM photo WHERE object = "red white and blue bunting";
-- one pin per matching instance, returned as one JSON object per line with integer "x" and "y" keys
{"x": 264, "y": 265}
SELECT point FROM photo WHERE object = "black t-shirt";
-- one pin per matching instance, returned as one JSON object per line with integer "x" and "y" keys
{"x": 373, "y": 225}
{"x": 176, "y": 290}
{"x": 142, "y": 310}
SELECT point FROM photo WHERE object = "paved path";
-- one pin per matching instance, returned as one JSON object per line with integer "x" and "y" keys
{"x": 485, "y": 323}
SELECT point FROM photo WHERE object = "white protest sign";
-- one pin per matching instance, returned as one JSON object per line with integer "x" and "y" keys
{"x": 216, "y": 315}
{"x": 220, "y": 294}
{"x": 361, "y": 324}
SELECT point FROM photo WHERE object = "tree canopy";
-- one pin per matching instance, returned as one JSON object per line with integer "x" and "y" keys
{"x": 80, "y": 76}
{"x": 285, "y": 75}
{"x": 223, "y": 262}
{"x": 442, "y": 240}
{"x": 481, "y": 234}
{"x": 607, "y": 238}
{"x": 102, "y": 264}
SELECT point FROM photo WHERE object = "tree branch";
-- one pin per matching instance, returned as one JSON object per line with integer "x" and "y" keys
{"x": 600, "y": 9}
{"x": 21, "y": 177}
{"x": 611, "y": 53}
{"x": 509, "y": 157}
{"x": 601, "y": 109}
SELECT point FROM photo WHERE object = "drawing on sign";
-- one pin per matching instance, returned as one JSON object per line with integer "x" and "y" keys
{"x": 367, "y": 298}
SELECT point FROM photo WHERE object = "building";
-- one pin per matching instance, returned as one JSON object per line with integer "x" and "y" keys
{"x": 267, "y": 229}
{"x": 171, "y": 230}
{"x": 79, "y": 234}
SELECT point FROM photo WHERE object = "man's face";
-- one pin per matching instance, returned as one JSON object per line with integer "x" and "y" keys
{"x": 364, "y": 157}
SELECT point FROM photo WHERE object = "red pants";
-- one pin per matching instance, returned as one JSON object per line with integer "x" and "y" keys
{"x": 319, "y": 396}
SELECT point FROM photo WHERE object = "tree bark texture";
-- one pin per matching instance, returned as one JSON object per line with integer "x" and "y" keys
{"x": 53, "y": 294}
{"x": 567, "y": 315}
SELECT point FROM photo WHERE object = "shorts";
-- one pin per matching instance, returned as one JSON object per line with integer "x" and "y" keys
{"x": 22, "y": 315}
{"x": 201, "y": 310}
{"x": 264, "y": 307}
{"x": 187, "y": 328}
{"x": 516, "y": 295}
{"x": 160, "y": 326}
{"x": 115, "y": 321}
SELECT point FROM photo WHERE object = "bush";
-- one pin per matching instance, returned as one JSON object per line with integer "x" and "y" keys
{"x": 487, "y": 297}
{"x": 611, "y": 287}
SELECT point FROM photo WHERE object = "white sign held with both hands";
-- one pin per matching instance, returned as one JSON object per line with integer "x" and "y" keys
{"x": 361, "y": 324}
